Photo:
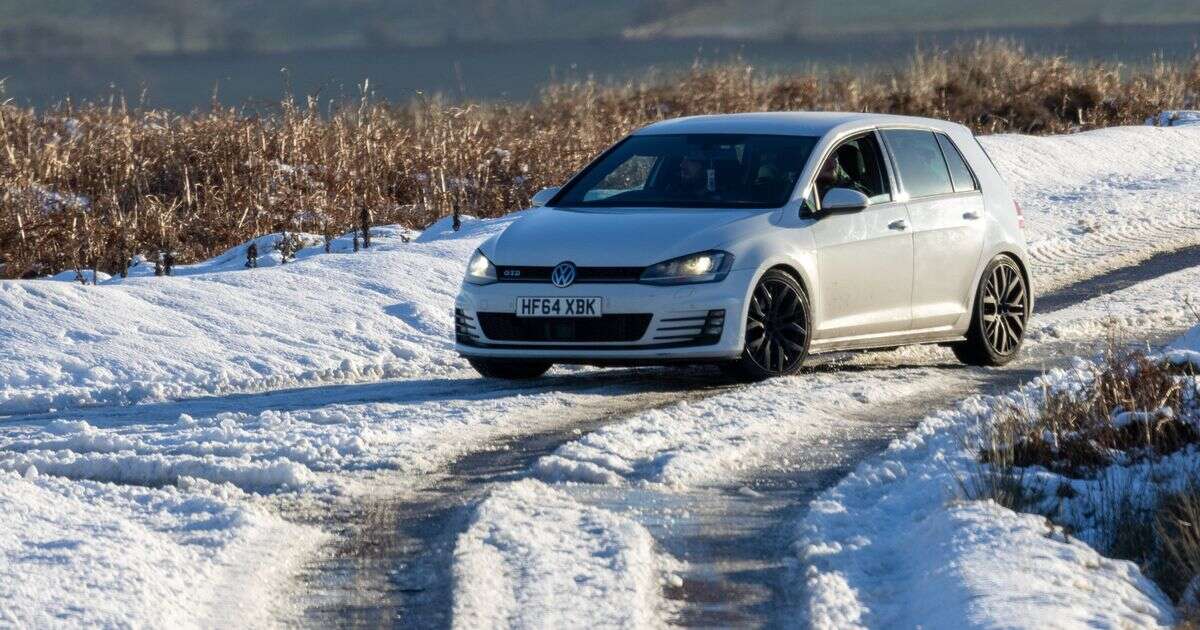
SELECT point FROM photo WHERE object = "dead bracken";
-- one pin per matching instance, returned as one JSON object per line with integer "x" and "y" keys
{"x": 92, "y": 185}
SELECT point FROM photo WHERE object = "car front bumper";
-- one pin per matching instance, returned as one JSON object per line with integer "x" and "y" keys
{"x": 700, "y": 322}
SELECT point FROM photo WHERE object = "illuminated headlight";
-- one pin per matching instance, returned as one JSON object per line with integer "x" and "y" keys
{"x": 480, "y": 270}
{"x": 702, "y": 267}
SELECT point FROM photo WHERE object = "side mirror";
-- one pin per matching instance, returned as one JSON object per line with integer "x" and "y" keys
{"x": 543, "y": 196}
{"x": 844, "y": 200}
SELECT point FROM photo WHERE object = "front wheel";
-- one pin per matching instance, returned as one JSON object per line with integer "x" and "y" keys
{"x": 778, "y": 325}
{"x": 998, "y": 316}
{"x": 508, "y": 369}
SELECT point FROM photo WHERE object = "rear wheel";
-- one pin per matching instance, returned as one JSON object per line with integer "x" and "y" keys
{"x": 509, "y": 369}
{"x": 999, "y": 316}
{"x": 778, "y": 325}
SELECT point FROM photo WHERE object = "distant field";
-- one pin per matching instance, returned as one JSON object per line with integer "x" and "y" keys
{"x": 91, "y": 185}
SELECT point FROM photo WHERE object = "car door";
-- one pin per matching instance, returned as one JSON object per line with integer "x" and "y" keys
{"x": 864, "y": 257}
{"x": 946, "y": 212}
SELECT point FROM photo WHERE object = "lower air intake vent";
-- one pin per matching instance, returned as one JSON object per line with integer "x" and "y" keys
{"x": 509, "y": 327}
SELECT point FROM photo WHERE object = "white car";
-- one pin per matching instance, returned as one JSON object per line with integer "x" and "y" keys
{"x": 752, "y": 241}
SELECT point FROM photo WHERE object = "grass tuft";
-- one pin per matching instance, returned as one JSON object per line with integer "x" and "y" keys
{"x": 1132, "y": 410}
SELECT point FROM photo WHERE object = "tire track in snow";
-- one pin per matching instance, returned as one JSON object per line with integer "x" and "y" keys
{"x": 392, "y": 563}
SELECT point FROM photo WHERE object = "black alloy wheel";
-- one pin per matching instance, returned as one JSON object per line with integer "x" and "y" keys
{"x": 778, "y": 328}
{"x": 999, "y": 318}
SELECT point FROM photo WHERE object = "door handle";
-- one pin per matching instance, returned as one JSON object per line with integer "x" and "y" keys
{"x": 898, "y": 224}
{"x": 970, "y": 216}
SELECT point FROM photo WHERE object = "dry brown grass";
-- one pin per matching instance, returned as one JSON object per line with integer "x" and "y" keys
{"x": 1135, "y": 412}
{"x": 1132, "y": 410}
{"x": 201, "y": 182}
{"x": 1177, "y": 527}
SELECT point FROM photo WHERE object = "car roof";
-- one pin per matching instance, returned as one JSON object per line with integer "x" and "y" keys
{"x": 790, "y": 123}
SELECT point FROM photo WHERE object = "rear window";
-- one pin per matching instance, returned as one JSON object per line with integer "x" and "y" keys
{"x": 959, "y": 173}
{"x": 920, "y": 163}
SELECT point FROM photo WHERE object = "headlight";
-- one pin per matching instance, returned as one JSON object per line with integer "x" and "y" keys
{"x": 480, "y": 270}
{"x": 702, "y": 267}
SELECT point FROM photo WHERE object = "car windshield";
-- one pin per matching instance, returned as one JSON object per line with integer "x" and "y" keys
{"x": 692, "y": 171}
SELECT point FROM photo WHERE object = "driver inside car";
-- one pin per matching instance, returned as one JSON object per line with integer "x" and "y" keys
{"x": 693, "y": 178}
{"x": 832, "y": 175}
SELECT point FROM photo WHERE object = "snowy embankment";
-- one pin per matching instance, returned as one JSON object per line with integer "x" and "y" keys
{"x": 217, "y": 327}
{"x": 1103, "y": 199}
{"x": 190, "y": 484}
{"x": 86, "y": 553}
{"x": 896, "y": 544}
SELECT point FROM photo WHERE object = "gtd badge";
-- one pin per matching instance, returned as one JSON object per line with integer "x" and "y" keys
{"x": 563, "y": 275}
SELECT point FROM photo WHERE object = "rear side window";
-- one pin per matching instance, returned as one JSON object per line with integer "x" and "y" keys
{"x": 920, "y": 162}
{"x": 959, "y": 173}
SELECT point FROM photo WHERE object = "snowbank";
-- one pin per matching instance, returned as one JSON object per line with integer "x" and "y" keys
{"x": 1102, "y": 199}
{"x": 383, "y": 313}
{"x": 535, "y": 558}
{"x": 893, "y": 545}
{"x": 90, "y": 554}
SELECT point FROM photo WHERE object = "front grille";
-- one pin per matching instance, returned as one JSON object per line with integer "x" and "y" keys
{"x": 585, "y": 275}
{"x": 619, "y": 327}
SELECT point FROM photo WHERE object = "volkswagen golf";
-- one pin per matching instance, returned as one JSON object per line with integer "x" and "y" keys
{"x": 752, "y": 241}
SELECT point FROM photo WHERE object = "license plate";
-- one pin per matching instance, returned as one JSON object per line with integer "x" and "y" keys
{"x": 558, "y": 307}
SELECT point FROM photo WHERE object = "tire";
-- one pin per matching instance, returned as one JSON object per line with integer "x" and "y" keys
{"x": 778, "y": 325}
{"x": 997, "y": 325}
{"x": 509, "y": 369}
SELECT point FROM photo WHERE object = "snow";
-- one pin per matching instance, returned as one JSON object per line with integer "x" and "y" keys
{"x": 321, "y": 319}
{"x": 91, "y": 554}
{"x": 895, "y": 545}
{"x": 1103, "y": 199}
{"x": 1164, "y": 302}
{"x": 274, "y": 450}
{"x": 689, "y": 444}
{"x": 90, "y": 276}
{"x": 509, "y": 565}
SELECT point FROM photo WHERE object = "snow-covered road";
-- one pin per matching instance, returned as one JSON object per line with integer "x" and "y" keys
{"x": 298, "y": 443}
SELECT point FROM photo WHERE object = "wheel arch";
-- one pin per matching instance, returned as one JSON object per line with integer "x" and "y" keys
{"x": 1023, "y": 267}
{"x": 794, "y": 273}
{"x": 789, "y": 266}
{"x": 1015, "y": 255}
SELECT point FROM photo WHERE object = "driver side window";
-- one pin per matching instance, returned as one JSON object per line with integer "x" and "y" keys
{"x": 856, "y": 164}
